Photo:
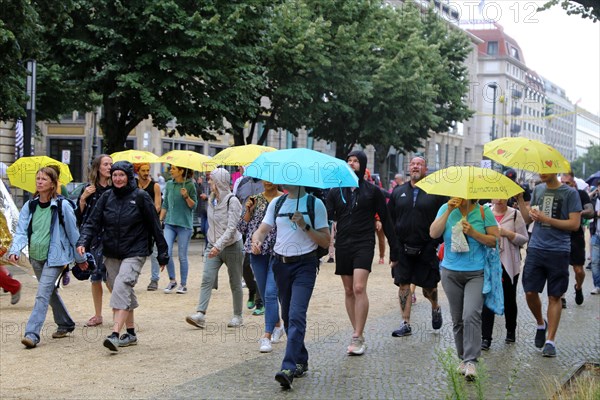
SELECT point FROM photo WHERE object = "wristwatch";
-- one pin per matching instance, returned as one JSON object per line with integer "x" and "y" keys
{"x": 307, "y": 228}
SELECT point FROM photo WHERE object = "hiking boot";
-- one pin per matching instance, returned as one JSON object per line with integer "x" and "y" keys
{"x": 277, "y": 334}
{"x": 436, "y": 318}
{"x": 235, "y": 322}
{"x": 15, "y": 297}
{"x": 29, "y": 342}
{"x": 127, "y": 339}
{"x": 285, "y": 377}
{"x": 564, "y": 303}
{"x": 171, "y": 287}
{"x": 405, "y": 330}
{"x": 301, "y": 370}
{"x": 181, "y": 289}
{"x": 62, "y": 332}
{"x": 198, "y": 320}
{"x": 357, "y": 346}
{"x": 470, "y": 371}
{"x": 111, "y": 343}
{"x": 265, "y": 345}
{"x": 152, "y": 286}
{"x": 549, "y": 350}
{"x": 486, "y": 344}
{"x": 540, "y": 336}
{"x": 259, "y": 310}
{"x": 510, "y": 337}
{"x": 578, "y": 295}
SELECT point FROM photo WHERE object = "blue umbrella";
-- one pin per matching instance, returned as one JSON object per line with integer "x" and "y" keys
{"x": 593, "y": 179}
{"x": 302, "y": 167}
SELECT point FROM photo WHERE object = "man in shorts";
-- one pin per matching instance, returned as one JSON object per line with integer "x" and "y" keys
{"x": 577, "y": 257}
{"x": 556, "y": 212}
{"x": 354, "y": 210}
{"x": 413, "y": 211}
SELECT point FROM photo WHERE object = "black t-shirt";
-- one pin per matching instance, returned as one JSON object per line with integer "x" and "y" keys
{"x": 585, "y": 199}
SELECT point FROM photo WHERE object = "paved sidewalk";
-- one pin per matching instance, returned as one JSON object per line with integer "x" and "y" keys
{"x": 409, "y": 367}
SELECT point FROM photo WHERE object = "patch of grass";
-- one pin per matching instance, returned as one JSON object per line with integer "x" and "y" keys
{"x": 584, "y": 385}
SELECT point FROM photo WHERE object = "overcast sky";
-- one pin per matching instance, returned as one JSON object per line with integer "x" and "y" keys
{"x": 563, "y": 48}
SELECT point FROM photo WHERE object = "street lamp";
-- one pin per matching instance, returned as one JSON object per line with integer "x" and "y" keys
{"x": 494, "y": 87}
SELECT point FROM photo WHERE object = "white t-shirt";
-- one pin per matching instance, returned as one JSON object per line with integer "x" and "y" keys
{"x": 294, "y": 242}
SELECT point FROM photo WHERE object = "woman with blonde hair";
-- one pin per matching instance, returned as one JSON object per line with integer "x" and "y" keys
{"x": 51, "y": 235}
{"x": 99, "y": 182}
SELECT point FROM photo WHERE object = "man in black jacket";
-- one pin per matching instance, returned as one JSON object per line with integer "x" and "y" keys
{"x": 129, "y": 220}
{"x": 354, "y": 211}
{"x": 413, "y": 211}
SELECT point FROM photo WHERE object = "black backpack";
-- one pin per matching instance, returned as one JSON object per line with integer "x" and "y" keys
{"x": 310, "y": 210}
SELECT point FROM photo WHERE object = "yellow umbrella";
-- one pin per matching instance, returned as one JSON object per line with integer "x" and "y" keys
{"x": 240, "y": 155}
{"x": 530, "y": 155}
{"x": 134, "y": 156}
{"x": 23, "y": 172}
{"x": 469, "y": 183}
{"x": 187, "y": 159}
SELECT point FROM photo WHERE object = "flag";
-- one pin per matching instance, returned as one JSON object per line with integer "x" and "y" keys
{"x": 18, "y": 139}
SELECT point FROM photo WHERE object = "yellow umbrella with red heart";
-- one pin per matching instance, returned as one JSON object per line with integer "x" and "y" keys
{"x": 526, "y": 154}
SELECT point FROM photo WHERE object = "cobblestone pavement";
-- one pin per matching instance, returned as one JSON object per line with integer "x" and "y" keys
{"x": 409, "y": 367}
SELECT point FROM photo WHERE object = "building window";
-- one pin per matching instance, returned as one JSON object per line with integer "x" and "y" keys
{"x": 492, "y": 48}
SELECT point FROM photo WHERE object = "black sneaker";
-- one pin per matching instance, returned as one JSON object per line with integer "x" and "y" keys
{"x": 540, "y": 336}
{"x": 405, "y": 330}
{"x": 285, "y": 377}
{"x": 564, "y": 302}
{"x": 578, "y": 296}
{"x": 510, "y": 337}
{"x": 301, "y": 369}
{"x": 549, "y": 350}
{"x": 486, "y": 344}
{"x": 436, "y": 318}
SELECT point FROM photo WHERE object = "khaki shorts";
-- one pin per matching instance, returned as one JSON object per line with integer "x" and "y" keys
{"x": 122, "y": 276}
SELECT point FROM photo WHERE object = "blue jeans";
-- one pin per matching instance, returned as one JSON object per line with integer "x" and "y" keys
{"x": 155, "y": 268}
{"x": 183, "y": 236}
{"x": 265, "y": 280}
{"x": 596, "y": 260}
{"x": 47, "y": 294}
{"x": 295, "y": 283}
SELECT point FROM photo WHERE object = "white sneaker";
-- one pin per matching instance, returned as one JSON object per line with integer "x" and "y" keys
{"x": 235, "y": 322}
{"x": 198, "y": 320}
{"x": 470, "y": 371}
{"x": 595, "y": 290}
{"x": 277, "y": 334}
{"x": 265, "y": 345}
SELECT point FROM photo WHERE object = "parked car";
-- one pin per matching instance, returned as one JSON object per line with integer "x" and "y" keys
{"x": 76, "y": 191}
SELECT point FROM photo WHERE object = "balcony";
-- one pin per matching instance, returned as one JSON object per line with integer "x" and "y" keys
{"x": 516, "y": 111}
{"x": 515, "y": 129}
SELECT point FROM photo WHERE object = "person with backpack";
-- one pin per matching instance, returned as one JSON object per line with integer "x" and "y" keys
{"x": 224, "y": 247}
{"x": 512, "y": 236}
{"x": 47, "y": 224}
{"x": 354, "y": 210}
{"x": 178, "y": 215}
{"x": 99, "y": 182}
{"x": 128, "y": 218}
{"x": 302, "y": 231}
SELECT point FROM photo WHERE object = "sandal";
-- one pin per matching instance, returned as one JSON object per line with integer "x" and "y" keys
{"x": 94, "y": 321}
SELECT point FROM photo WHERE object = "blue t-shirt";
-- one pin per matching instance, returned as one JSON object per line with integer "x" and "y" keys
{"x": 556, "y": 203}
{"x": 474, "y": 259}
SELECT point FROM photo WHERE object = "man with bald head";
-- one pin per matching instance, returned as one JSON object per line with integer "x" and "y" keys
{"x": 412, "y": 212}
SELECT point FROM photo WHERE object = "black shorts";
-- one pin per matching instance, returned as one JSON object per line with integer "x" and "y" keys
{"x": 422, "y": 270}
{"x": 543, "y": 266}
{"x": 577, "y": 256}
{"x": 349, "y": 259}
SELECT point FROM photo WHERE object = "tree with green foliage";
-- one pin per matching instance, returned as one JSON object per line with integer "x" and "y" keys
{"x": 586, "y": 8}
{"x": 591, "y": 159}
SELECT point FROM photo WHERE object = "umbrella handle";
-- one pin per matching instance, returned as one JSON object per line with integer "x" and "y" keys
{"x": 341, "y": 192}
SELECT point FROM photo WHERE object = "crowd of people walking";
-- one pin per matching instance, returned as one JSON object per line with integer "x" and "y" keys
{"x": 272, "y": 237}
